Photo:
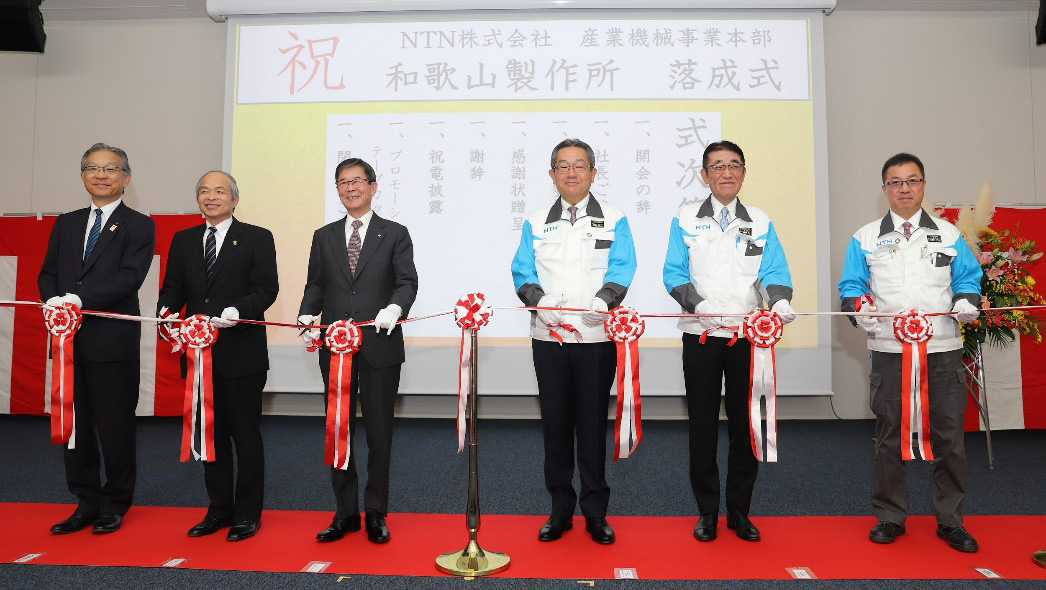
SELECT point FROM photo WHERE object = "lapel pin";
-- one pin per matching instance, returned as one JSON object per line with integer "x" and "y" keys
{"x": 112, "y": 227}
{"x": 234, "y": 242}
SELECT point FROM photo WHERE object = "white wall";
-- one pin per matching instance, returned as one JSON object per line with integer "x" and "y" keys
{"x": 964, "y": 90}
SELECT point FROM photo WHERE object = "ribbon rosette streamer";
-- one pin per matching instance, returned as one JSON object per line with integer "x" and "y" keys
{"x": 343, "y": 341}
{"x": 62, "y": 323}
{"x": 624, "y": 326}
{"x": 471, "y": 313}
{"x": 198, "y": 335}
{"x": 913, "y": 329}
{"x": 763, "y": 329}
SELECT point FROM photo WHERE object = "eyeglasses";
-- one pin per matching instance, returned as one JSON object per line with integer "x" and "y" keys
{"x": 107, "y": 170}
{"x": 578, "y": 168}
{"x": 911, "y": 182}
{"x": 732, "y": 166}
{"x": 353, "y": 182}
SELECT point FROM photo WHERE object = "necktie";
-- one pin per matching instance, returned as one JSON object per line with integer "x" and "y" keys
{"x": 907, "y": 230}
{"x": 724, "y": 218}
{"x": 210, "y": 251}
{"x": 92, "y": 237}
{"x": 573, "y": 214}
{"x": 355, "y": 243}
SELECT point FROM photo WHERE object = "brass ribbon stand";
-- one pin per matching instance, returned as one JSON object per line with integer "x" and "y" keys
{"x": 472, "y": 561}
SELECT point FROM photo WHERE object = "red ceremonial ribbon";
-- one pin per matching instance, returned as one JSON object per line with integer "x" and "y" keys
{"x": 763, "y": 329}
{"x": 62, "y": 323}
{"x": 198, "y": 334}
{"x": 566, "y": 327}
{"x": 343, "y": 341}
{"x": 471, "y": 313}
{"x": 624, "y": 326}
{"x": 913, "y": 329}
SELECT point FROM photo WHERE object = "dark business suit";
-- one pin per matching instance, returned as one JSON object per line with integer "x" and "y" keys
{"x": 107, "y": 351}
{"x": 385, "y": 274}
{"x": 244, "y": 277}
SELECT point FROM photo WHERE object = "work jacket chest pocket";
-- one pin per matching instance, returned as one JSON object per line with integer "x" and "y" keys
{"x": 939, "y": 263}
{"x": 749, "y": 256}
{"x": 597, "y": 243}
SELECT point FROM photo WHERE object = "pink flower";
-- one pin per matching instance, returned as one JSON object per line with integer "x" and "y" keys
{"x": 1015, "y": 256}
{"x": 984, "y": 258}
{"x": 994, "y": 274}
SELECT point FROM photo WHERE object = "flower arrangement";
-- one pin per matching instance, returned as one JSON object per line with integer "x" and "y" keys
{"x": 1004, "y": 258}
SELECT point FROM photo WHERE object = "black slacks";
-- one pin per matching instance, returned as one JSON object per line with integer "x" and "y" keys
{"x": 574, "y": 383}
{"x": 105, "y": 397}
{"x": 237, "y": 421}
{"x": 947, "y": 396}
{"x": 704, "y": 366}
{"x": 376, "y": 389}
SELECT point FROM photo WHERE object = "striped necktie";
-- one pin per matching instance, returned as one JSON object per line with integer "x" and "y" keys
{"x": 92, "y": 237}
{"x": 210, "y": 252}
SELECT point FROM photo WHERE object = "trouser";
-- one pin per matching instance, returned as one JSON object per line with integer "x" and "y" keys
{"x": 704, "y": 367}
{"x": 376, "y": 389}
{"x": 237, "y": 420}
{"x": 574, "y": 383}
{"x": 105, "y": 398}
{"x": 947, "y": 396}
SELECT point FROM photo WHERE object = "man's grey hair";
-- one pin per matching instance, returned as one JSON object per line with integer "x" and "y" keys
{"x": 232, "y": 183}
{"x": 574, "y": 143}
{"x": 98, "y": 147}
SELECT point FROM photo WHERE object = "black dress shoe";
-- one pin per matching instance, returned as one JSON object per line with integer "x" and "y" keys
{"x": 885, "y": 532}
{"x": 554, "y": 528}
{"x": 600, "y": 530}
{"x": 377, "y": 531}
{"x": 706, "y": 527}
{"x": 209, "y": 526}
{"x": 744, "y": 528}
{"x": 244, "y": 529}
{"x": 107, "y": 523}
{"x": 74, "y": 523}
{"x": 958, "y": 538}
{"x": 338, "y": 528}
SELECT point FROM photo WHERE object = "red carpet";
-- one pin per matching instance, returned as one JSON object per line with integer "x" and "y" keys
{"x": 656, "y": 547}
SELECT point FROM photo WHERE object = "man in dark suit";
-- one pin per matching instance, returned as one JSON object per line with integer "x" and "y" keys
{"x": 362, "y": 268}
{"x": 97, "y": 258}
{"x": 226, "y": 269}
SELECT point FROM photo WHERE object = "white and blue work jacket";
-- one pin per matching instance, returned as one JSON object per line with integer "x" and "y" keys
{"x": 595, "y": 257}
{"x": 725, "y": 267}
{"x": 929, "y": 271}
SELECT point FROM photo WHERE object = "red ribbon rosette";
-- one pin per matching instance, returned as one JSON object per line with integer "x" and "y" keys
{"x": 343, "y": 341}
{"x": 471, "y": 313}
{"x": 62, "y": 323}
{"x": 763, "y": 329}
{"x": 198, "y": 334}
{"x": 624, "y": 326}
{"x": 913, "y": 329}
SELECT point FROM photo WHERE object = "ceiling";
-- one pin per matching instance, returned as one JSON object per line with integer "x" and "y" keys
{"x": 143, "y": 9}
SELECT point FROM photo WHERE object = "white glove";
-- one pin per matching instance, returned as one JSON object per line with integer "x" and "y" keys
{"x": 228, "y": 319}
{"x": 386, "y": 318}
{"x": 710, "y": 323}
{"x": 868, "y": 323}
{"x": 592, "y": 317}
{"x": 74, "y": 299}
{"x": 546, "y": 317}
{"x": 309, "y": 336}
{"x": 784, "y": 309}
{"x": 965, "y": 311}
{"x": 53, "y": 302}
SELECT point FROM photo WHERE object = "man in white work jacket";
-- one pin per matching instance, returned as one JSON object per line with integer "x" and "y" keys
{"x": 912, "y": 260}
{"x": 720, "y": 253}
{"x": 576, "y": 253}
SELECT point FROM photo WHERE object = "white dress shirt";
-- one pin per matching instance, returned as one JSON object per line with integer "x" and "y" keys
{"x": 107, "y": 210}
{"x": 363, "y": 228}
{"x": 222, "y": 229}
